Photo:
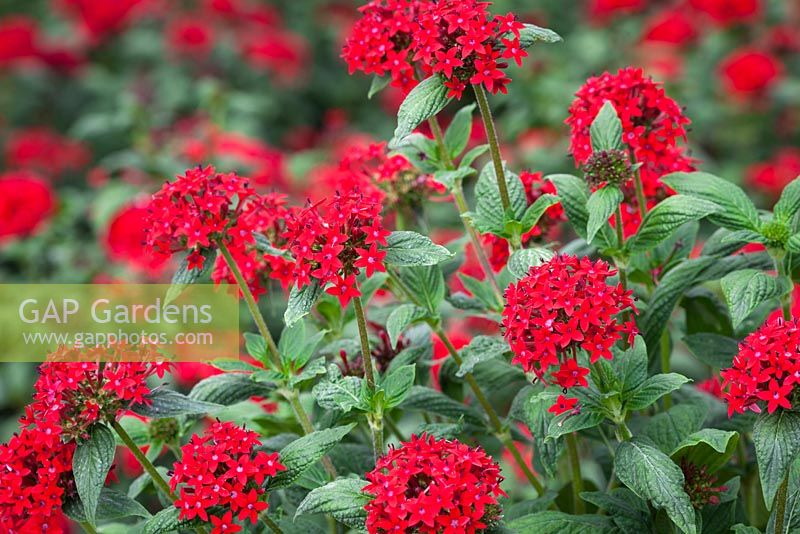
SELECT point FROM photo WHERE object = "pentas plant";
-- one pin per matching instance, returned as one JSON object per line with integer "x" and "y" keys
{"x": 537, "y": 383}
{"x": 766, "y": 369}
{"x": 560, "y": 309}
{"x": 222, "y": 471}
{"x": 433, "y": 486}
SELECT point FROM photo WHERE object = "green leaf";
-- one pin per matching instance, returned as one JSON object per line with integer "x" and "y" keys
{"x": 425, "y": 399}
{"x": 651, "y": 475}
{"x": 738, "y": 211}
{"x": 377, "y": 85}
{"x": 793, "y": 244}
{"x": 481, "y": 349}
{"x": 482, "y": 290}
{"x": 397, "y": 384}
{"x": 309, "y": 371}
{"x": 668, "y": 429}
{"x": 167, "y": 520}
{"x": 423, "y": 102}
{"x": 591, "y": 415}
{"x": 653, "y": 389}
{"x": 473, "y": 154}
{"x": 263, "y": 245}
{"x": 228, "y": 388}
{"x": 606, "y": 130}
{"x": 777, "y": 441}
{"x": 600, "y": 206}
{"x": 256, "y": 347}
{"x": 713, "y": 349}
{"x": 531, "y": 407}
{"x": 401, "y": 318}
{"x": 630, "y": 367}
{"x": 296, "y": 347}
{"x": 341, "y": 393}
{"x": 342, "y": 499}
{"x": 707, "y": 447}
{"x": 536, "y": 210}
{"x": 489, "y": 216}
{"x": 111, "y": 504}
{"x": 163, "y": 402}
{"x": 185, "y": 276}
{"x": 746, "y": 290}
{"x": 301, "y": 300}
{"x": 426, "y": 284}
{"x": 521, "y": 261}
{"x": 669, "y": 215}
{"x": 574, "y": 194}
{"x": 234, "y": 366}
{"x": 457, "y": 135}
{"x": 301, "y": 454}
{"x": 551, "y": 522}
{"x": 90, "y": 465}
{"x": 789, "y": 202}
{"x": 449, "y": 178}
{"x": 629, "y": 512}
{"x": 407, "y": 249}
{"x": 532, "y": 33}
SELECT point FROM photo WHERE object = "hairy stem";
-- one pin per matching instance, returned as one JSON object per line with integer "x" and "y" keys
{"x": 272, "y": 349}
{"x": 577, "y": 480}
{"x": 623, "y": 432}
{"x": 780, "y": 506}
{"x": 146, "y": 464}
{"x": 623, "y": 276}
{"x": 375, "y": 419}
{"x": 494, "y": 144}
{"x": 86, "y": 526}
{"x": 273, "y": 526}
{"x": 665, "y": 364}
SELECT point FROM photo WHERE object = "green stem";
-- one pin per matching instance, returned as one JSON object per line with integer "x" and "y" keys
{"x": 780, "y": 506}
{"x": 494, "y": 145}
{"x": 637, "y": 180}
{"x": 433, "y": 122}
{"x": 623, "y": 432}
{"x": 146, "y": 464}
{"x": 501, "y": 433}
{"x": 85, "y": 525}
{"x": 274, "y": 354}
{"x": 375, "y": 420}
{"x": 665, "y": 364}
{"x": 786, "y": 300}
{"x": 577, "y": 480}
{"x": 273, "y": 526}
{"x": 623, "y": 276}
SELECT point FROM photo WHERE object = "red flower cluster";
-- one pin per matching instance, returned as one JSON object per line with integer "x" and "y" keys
{"x": 25, "y": 203}
{"x": 535, "y": 186}
{"x": 221, "y": 468}
{"x": 197, "y": 209}
{"x": 21, "y": 44}
{"x": 266, "y": 215}
{"x": 602, "y": 9}
{"x": 73, "y": 391}
{"x": 433, "y": 486}
{"x": 333, "y": 240}
{"x": 748, "y": 72}
{"x": 671, "y": 27}
{"x": 36, "y": 479}
{"x": 652, "y": 125}
{"x": 45, "y": 151}
{"x": 390, "y": 180}
{"x": 773, "y": 175}
{"x": 559, "y": 308}
{"x": 458, "y": 39}
{"x": 767, "y": 368}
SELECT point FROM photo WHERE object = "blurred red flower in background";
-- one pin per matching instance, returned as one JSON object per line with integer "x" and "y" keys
{"x": 26, "y": 201}
{"x": 748, "y": 72}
